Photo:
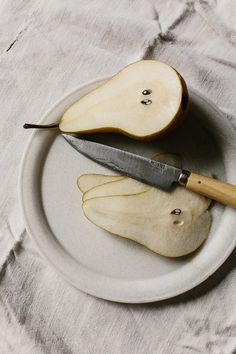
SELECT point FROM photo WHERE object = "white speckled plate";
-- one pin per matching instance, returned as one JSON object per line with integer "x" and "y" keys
{"x": 105, "y": 265}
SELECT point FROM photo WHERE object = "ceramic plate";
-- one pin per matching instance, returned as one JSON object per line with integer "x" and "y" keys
{"x": 105, "y": 265}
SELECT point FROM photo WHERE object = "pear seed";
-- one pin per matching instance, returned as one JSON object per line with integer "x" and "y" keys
{"x": 146, "y": 102}
{"x": 146, "y": 92}
{"x": 176, "y": 211}
{"x": 178, "y": 222}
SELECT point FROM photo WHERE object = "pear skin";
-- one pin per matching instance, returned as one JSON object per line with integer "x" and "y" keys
{"x": 88, "y": 181}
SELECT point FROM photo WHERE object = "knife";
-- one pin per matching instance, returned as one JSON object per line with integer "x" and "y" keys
{"x": 154, "y": 173}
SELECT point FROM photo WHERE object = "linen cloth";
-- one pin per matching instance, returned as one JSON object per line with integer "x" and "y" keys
{"x": 46, "y": 49}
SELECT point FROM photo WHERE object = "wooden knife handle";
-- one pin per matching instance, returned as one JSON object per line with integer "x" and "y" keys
{"x": 212, "y": 188}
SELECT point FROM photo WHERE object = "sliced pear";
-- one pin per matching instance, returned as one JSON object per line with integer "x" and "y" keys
{"x": 91, "y": 180}
{"x": 127, "y": 186}
{"x": 143, "y": 100}
{"x": 172, "y": 223}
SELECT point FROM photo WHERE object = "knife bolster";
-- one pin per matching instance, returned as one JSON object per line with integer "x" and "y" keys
{"x": 183, "y": 178}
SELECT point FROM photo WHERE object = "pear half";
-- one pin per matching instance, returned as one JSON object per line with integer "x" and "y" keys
{"x": 125, "y": 185}
{"x": 172, "y": 224}
{"x": 143, "y": 100}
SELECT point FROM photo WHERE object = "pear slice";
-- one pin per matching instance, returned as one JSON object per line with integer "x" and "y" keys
{"x": 143, "y": 100}
{"x": 90, "y": 180}
{"x": 127, "y": 186}
{"x": 172, "y": 224}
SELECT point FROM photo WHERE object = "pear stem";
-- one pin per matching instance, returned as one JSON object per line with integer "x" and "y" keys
{"x": 40, "y": 126}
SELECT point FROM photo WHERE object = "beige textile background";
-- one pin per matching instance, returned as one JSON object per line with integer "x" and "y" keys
{"x": 46, "y": 49}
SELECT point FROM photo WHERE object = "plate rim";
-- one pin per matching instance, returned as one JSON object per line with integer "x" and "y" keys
{"x": 96, "y": 292}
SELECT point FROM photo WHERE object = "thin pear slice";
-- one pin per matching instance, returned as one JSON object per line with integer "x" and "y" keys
{"x": 172, "y": 224}
{"x": 143, "y": 100}
{"x": 91, "y": 180}
{"x": 127, "y": 186}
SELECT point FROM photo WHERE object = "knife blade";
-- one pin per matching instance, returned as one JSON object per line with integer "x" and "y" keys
{"x": 154, "y": 173}
{"x": 143, "y": 169}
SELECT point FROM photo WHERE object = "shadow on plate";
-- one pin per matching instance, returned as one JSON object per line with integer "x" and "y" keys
{"x": 193, "y": 140}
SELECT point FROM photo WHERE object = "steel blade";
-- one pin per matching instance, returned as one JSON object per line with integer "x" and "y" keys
{"x": 149, "y": 171}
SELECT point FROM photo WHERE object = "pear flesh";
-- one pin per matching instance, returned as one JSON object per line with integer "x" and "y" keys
{"x": 143, "y": 100}
{"x": 172, "y": 224}
{"x": 125, "y": 186}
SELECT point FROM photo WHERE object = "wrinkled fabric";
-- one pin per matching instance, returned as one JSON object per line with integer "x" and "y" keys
{"x": 46, "y": 49}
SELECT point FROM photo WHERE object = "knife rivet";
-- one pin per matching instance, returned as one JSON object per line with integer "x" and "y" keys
{"x": 146, "y": 102}
{"x": 147, "y": 92}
